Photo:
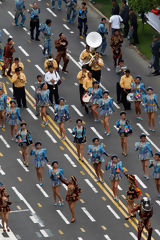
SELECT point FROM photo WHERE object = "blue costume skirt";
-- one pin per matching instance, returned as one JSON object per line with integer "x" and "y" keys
{"x": 2, "y": 108}
{"x": 145, "y": 156}
{"x": 41, "y": 163}
{"x": 115, "y": 177}
{"x": 150, "y": 109}
{"x": 156, "y": 175}
{"x": 44, "y": 104}
{"x": 107, "y": 112}
{"x": 56, "y": 183}
{"x": 94, "y": 101}
{"x": 13, "y": 121}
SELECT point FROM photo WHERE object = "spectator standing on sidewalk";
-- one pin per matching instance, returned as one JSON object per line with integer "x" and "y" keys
{"x": 155, "y": 48}
{"x": 133, "y": 26}
{"x": 115, "y": 23}
{"x": 102, "y": 30}
{"x": 34, "y": 22}
{"x": 115, "y": 7}
{"x": 124, "y": 13}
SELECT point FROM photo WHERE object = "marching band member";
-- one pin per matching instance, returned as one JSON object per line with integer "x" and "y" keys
{"x": 61, "y": 116}
{"x": 124, "y": 130}
{"x": 86, "y": 56}
{"x": 13, "y": 117}
{"x": 156, "y": 172}
{"x": 55, "y": 174}
{"x": 106, "y": 105}
{"x": 81, "y": 76}
{"x": 96, "y": 64}
{"x": 40, "y": 160}
{"x": 79, "y": 133}
{"x": 17, "y": 64}
{"x": 50, "y": 62}
{"x": 88, "y": 81}
{"x": 145, "y": 153}
{"x": 138, "y": 89}
{"x": 115, "y": 43}
{"x": 151, "y": 105}
{"x": 3, "y": 105}
{"x": 96, "y": 151}
{"x": 24, "y": 140}
{"x": 96, "y": 93}
{"x": 4, "y": 209}
{"x": 3, "y": 87}
{"x": 115, "y": 176}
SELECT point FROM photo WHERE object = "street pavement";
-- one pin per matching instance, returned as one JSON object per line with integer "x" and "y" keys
{"x": 99, "y": 217}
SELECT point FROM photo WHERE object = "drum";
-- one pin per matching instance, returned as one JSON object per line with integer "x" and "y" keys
{"x": 130, "y": 97}
{"x": 86, "y": 98}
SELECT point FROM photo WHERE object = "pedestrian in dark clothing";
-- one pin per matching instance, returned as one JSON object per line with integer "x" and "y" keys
{"x": 133, "y": 26}
{"x": 34, "y": 22}
{"x": 120, "y": 71}
{"x": 124, "y": 13}
{"x": 115, "y": 8}
{"x": 155, "y": 48}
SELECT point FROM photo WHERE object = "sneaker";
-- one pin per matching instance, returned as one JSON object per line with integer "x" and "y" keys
{"x": 61, "y": 204}
{"x": 22, "y": 24}
{"x": 55, "y": 204}
{"x": 109, "y": 133}
{"x": 41, "y": 184}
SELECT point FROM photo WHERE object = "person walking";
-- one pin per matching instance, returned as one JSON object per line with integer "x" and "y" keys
{"x": 19, "y": 81}
{"x": 96, "y": 64}
{"x": 156, "y": 172}
{"x": 82, "y": 20}
{"x": 115, "y": 7}
{"x": 71, "y": 10}
{"x": 20, "y": 8}
{"x": 85, "y": 57}
{"x": 125, "y": 84}
{"x": 1, "y": 47}
{"x": 81, "y": 76}
{"x": 3, "y": 106}
{"x": 8, "y": 57}
{"x": 102, "y": 30}
{"x": 61, "y": 46}
{"x": 50, "y": 62}
{"x": 115, "y": 23}
{"x": 59, "y": 4}
{"x": 155, "y": 48}
{"x": 120, "y": 71}
{"x": 116, "y": 44}
{"x": 46, "y": 31}
{"x": 124, "y": 13}
{"x": 17, "y": 64}
{"x": 34, "y": 22}
{"x": 37, "y": 90}
{"x": 52, "y": 79}
{"x": 4, "y": 209}
{"x": 133, "y": 26}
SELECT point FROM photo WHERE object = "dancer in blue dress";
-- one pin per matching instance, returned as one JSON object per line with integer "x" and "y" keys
{"x": 145, "y": 153}
{"x": 61, "y": 116}
{"x": 156, "y": 172}
{"x": 124, "y": 130}
{"x": 24, "y": 140}
{"x": 96, "y": 152}
{"x": 96, "y": 93}
{"x": 106, "y": 105}
{"x": 115, "y": 176}
{"x": 138, "y": 90}
{"x": 13, "y": 117}
{"x": 43, "y": 102}
{"x": 56, "y": 175}
{"x": 79, "y": 133}
{"x": 3, "y": 105}
{"x": 40, "y": 160}
{"x": 151, "y": 106}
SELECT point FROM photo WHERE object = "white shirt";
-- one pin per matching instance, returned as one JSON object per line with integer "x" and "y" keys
{"x": 49, "y": 76}
{"x": 115, "y": 21}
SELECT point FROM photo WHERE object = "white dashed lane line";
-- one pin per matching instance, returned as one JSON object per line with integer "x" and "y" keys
{"x": 23, "y": 51}
{"x": 7, "y": 33}
{"x": 96, "y": 132}
{"x": 70, "y": 160}
{"x": 2, "y": 172}
{"x": 77, "y": 111}
{"x": 140, "y": 181}
{"x": 65, "y": 25}
{"x": 63, "y": 217}
{"x": 22, "y": 165}
{"x": 88, "y": 214}
{"x": 50, "y": 11}
{"x": 40, "y": 69}
{"x": 11, "y": 14}
{"x": 50, "y": 136}
{"x": 142, "y": 128}
{"x": 158, "y": 232}
{"x": 133, "y": 235}
{"x": 4, "y": 141}
{"x": 42, "y": 190}
{"x": 113, "y": 212}
{"x": 107, "y": 237}
{"x": 91, "y": 185}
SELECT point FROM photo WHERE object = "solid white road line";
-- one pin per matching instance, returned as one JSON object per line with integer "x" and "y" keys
{"x": 18, "y": 211}
{"x": 23, "y": 51}
{"x": 21, "y": 163}
{"x": 154, "y": 145}
{"x": 112, "y": 211}
{"x": 96, "y": 132}
{"x": 2, "y": 172}
{"x": 133, "y": 235}
{"x": 88, "y": 214}
{"x": 11, "y": 14}
{"x": 74, "y": 61}
{"x": 49, "y": 10}
{"x": 43, "y": 232}
{"x": 50, "y": 136}
{"x": 142, "y": 128}
{"x": 34, "y": 220}
{"x": 42, "y": 191}
{"x": 31, "y": 113}
{"x": 70, "y": 160}
{"x": 23, "y": 199}
{"x": 157, "y": 231}
{"x": 40, "y": 69}
{"x": 65, "y": 25}
{"x": 107, "y": 237}
{"x": 77, "y": 111}
{"x": 91, "y": 185}
{"x": 10, "y": 234}
{"x": 158, "y": 202}
{"x": 63, "y": 217}
{"x": 6, "y": 32}
{"x": 140, "y": 181}
{"x": 4, "y": 141}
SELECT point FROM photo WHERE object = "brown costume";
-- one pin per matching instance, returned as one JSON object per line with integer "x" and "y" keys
{"x": 8, "y": 58}
{"x": 115, "y": 44}
{"x": 61, "y": 46}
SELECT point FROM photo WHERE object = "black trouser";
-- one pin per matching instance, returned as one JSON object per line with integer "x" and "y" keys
{"x": 53, "y": 92}
{"x": 119, "y": 92}
{"x": 135, "y": 35}
{"x": 20, "y": 96}
{"x": 13, "y": 91}
{"x": 96, "y": 75}
{"x": 33, "y": 25}
{"x": 126, "y": 103}
{"x": 126, "y": 28}
{"x": 81, "y": 92}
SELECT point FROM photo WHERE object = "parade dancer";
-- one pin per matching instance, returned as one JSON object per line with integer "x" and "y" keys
{"x": 156, "y": 172}
{"x": 115, "y": 176}
{"x": 82, "y": 20}
{"x": 145, "y": 153}
{"x": 96, "y": 152}
{"x": 124, "y": 130}
{"x": 79, "y": 133}
{"x": 61, "y": 116}
{"x": 24, "y": 140}
{"x": 138, "y": 90}
{"x": 145, "y": 211}
{"x": 151, "y": 105}
{"x": 4, "y": 209}
{"x": 3, "y": 106}
{"x": 40, "y": 160}
{"x": 55, "y": 174}
{"x": 13, "y": 117}
{"x": 116, "y": 44}
{"x": 106, "y": 105}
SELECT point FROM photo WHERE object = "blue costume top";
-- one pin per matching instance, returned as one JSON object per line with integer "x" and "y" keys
{"x": 3, "y": 102}
{"x": 61, "y": 113}
{"x": 115, "y": 168}
{"x": 79, "y": 132}
{"x": 83, "y": 13}
{"x": 71, "y": 3}
{"x": 46, "y": 30}
{"x": 24, "y": 137}
{"x": 96, "y": 95}
{"x": 34, "y": 13}
{"x": 43, "y": 98}
{"x": 97, "y": 153}
{"x": 144, "y": 149}
{"x": 156, "y": 166}
{"x": 150, "y": 102}
{"x": 40, "y": 157}
{"x": 37, "y": 90}
{"x": 20, "y": 4}
{"x": 138, "y": 91}
{"x": 56, "y": 176}
{"x": 124, "y": 128}
{"x": 106, "y": 106}
{"x": 102, "y": 30}
{"x": 13, "y": 115}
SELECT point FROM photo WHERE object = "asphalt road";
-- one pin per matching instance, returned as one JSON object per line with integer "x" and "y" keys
{"x": 33, "y": 215}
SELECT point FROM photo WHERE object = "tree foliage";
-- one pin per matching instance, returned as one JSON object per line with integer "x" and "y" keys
{"x": 143, "y": 5}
